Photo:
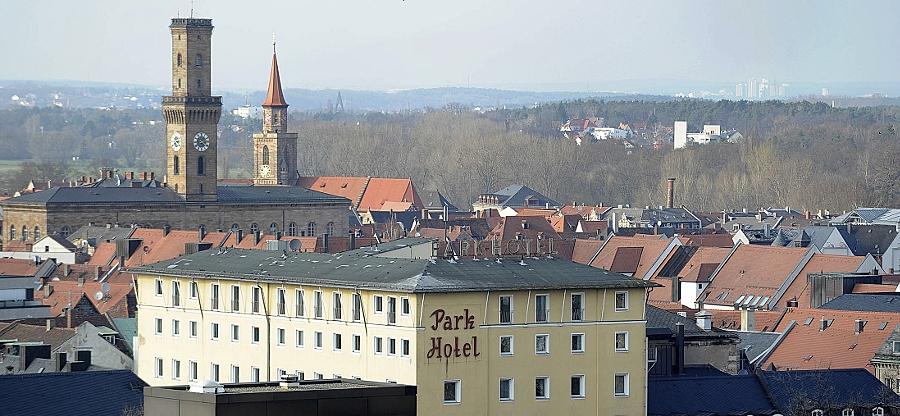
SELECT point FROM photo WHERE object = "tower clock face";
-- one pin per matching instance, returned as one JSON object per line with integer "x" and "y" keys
{"x": 176, "y": 141}
{"x": 264, "y": 171}
{"x": 201, "y": 141}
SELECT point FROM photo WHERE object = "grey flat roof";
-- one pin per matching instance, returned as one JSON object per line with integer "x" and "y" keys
{"x": 403, "y": 275}
{"x": 234, "y": 194}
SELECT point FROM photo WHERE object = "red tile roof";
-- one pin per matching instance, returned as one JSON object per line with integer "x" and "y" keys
{"x": 350, "y": 187}
{"x": 594, "y": 227}
{"x": 381, "y": 190}
{"x": 752, "y": 270}
{"x": 535, "y": 212}
{"x": 652, "y": 247}
{"x": 708, "y": 240}
{"x": 731, "y": 319}
{"x": 838, "y": 346}
{"x": 585, "y": 250}
{"x": 873, "y": 288}
{"x": 584, "y": 211}
{"x": 17, "y": 267}
{"x": 702, "y": 264}
{"x": 626, "y": 260}
{"x": 819, "y": 263}
{"x": 115, "y": 302}
{"x": 527, "y": 228}
{"x": 104, "y": 254}
{"x": 156, "y": 247}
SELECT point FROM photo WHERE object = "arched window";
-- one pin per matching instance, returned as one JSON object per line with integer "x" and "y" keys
{"x": 65, "y": 231}
{"x": 176, "y": 165}
{"x": 878, "y": 411}
{"x": 254, "y": 228}
{"x": 310, "y": 229}
{"x": 12, "y": 232}
{"x": 179, "y": 59}
{"x": 235, "y": 227}
{"x": 817, "y": 412}
{"x": 199, "y": 61}
{"x": 329, "y": 228}
{"x": 273, "y": 227}
{"x": 24, "y": 233}
{"x": 265, "y": 155}
{"x": 847, "y": 412}
{"x": 292, "y": 229}
{"x": 201, "y": 166}
{"x": 37, "y": 233}
{"x": 179, "y": 82}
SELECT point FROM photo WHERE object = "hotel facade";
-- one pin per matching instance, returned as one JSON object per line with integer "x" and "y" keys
{"x": 487, "y": 336}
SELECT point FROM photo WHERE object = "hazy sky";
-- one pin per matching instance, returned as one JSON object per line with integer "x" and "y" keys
{"x": 383, "y": 44}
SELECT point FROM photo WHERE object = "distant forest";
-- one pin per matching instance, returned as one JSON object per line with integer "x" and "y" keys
{"x": 799, "y": 154}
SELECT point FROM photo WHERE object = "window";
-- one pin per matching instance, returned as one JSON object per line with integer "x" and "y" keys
{"x": 299, "y": 335}
{"x": 195, "y": 290}
{"x": 506, "y": 309}
{"x": 235, "y": 298}
{"x": 621, "y": 341}
{"x": 336, "y": 343}
{"x": 357, "y": 307}
{"x": 336, "y": 306}
{"x": 254, "y": 228}
{"x": 281, "y": 303}
{"x": 318, "y": 376}
{"x": 318, "y": 340}
{"x": 404, "y": 348}
{"x": 159, "y": 287}
{"x": 318, "y": 302}
{"x": 179, "y": 59}
{"x": 896, "y": 347}
{"x": 541, "y": 308}
{"x": 451, "y": 391}
{"x": 265, "y": 155}
{"x": 621, "y": 384}
{"x": 193, "y": 328}
{"x": 298, "y": 302}
{"x": 329, "y": 228}
{"x": 235, "y": 374}
{"x": 506, "y": 345}
{"x": 199, "y": 60}
{"x": 214, "y": 296}
{"x": 292, "y": 229}
{"x": 577, "y": 306}
{"x": 176, "y": 328}
{"x": 621, "y": 301}
{"x": 176, "y": 162}
{"x": 404, "y": 306}
{"x": 158, "y": 367}
{"x": 379, "y": 304}
{"x": 651, "y": 355}
{"x": 192, "y": 370}
{"x": 235, "y": 333}
{"x": 506, "y": 389}
{"x": 176, "y": 293}
{"x": 542, "y": 344}
{"x": 281, "y": 336}
{"x": 817, "y": 412}
{"x": 310, "y": 229}
{"x": 577, "y": 342}
{"x": 254, "y": 374}
{"x": 878, "y": 411}
{"x": 392, "y": 310}
{"x": 357, "y": 343}
{"x": 392, "y": 346}
{"x": 378, "y": 346}
{"x": 273, "y": 227}
{"x": 12, "y": 232}
{"x": 214, "y": 331}
{"x": 576, "y": 389}
{"x": 159, "y": 328}
{"x": 24, "y": 233}
{"x": 254, "y": 334}
{"x": 176, "y": 369}
{"x": 847, "y": 412}
{"x": 257, "y": 294}
{"x": 201, "y": 163}
{"x": 214, "y": 372}
{"x": 37, "y": 233}
{"x": 65, "y": 231}
{"x": 542, "y": 388}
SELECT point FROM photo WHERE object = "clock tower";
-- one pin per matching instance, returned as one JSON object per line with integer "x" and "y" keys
{"x": 274, "y": 149}
{"x": 191, "y": 113}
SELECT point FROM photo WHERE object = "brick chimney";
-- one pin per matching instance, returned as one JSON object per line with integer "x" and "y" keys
{"x": 670, "y": 193}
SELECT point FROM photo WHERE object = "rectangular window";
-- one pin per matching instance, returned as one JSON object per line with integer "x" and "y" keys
{"x": 299, "y": 303}
{"x": 392, "y": 346}
{"x": 451, "y": 391}
{"x": 214, "y": 372}
{"x": 336, "y": 342}
{"x": 506, "y": 309}
{"x": 281, "y": 372}
{"x": 378, "y": 346}
{"x": 577, "y": 342}
{"x": 192, "y": 370}
{"x": 318, "y": 376}
{"x": 254, "y": 334}
{"x": 235, "y": 374}
{"x": 541, "y": 308}
{"x": 506, "y": 345}
{"x": 159, "y": 285}
{"x": 576, "y": 388}
{"x": 235, "y": 333}
{"x": 337, "y": 311}
{"x": 506, "y": 389}
{"x": 542, "y": 388}
{"x": 158, "y": 327}
{"x": 651, "y": 354}
{"x": 214, "y": 331}
{"x": 301, "y": 375}
{"x": 578, "y": 306}
{"x": 318, "y": 340}
{"x": 176, "y": 293}
{"x": 254, "y": 374}
{"x": 176, "y": 328}
{"x": 299, "y": 335}
{"x": 257, "y": 295}
{"x": 392, "y": 310}
{"x": 621, "y": 301}
{"x": 378, "y": 307}
{"x": 235, "y": 298}
{"x": 176, "y": 369}
{"x": 214, "y": 296}
{"x": 318, "y": 304}
{"x": 281, "y": 302}
{"x": 281, "y": 336}
{"x": 195, "y": 290}
{"x": 404, "y": 306}
{"x": 621, "y": 341}
{"x": 621, "y": 384}
{"x": 357, "y": 307}
{"x": 158, "y": 367}
{"x": 542, "y": 344}
{"x": 357, "y": 343}
{"x": 404, "y": 348}
{"x": 194, "y": 329}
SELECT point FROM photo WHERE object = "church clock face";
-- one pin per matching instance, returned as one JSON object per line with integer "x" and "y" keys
{"x": 264, "y": 171}
{"x": 176, "y": 141}
{"x": 201, "y": 141}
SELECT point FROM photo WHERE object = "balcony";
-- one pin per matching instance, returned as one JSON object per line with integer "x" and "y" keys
{"x": 191, "y": 100}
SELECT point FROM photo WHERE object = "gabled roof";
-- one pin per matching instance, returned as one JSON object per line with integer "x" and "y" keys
{"x": 868, "y": 239}
{"x": 35, "y": 333}
{"x": 708, "y": 240}
{"x": 659, "y": 319}
{"x": 517, "y": 195}
{"x": 115, "y": 301}
{"x": 17, "y": 267}
{"x": 529, "y": 228}
{"x": 100, "y": 393}
{"x": 754, "y": 271}
{"x": 702, "y": 264}
{"x": 865, "y": 302}
{"x": 818, "y": 263}
{"x": 274, "y": 95}
{"x": 827, "y": 390}
{"x": 679, "y": 395}
{"x": 382, "y": 190}
{"x": 585, "y": 250}
{"x": 652, "y": 249}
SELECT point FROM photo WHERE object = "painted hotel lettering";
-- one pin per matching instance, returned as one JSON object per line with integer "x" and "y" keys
{"x": 496, "y": 248}
{"x": 455, "y": 347}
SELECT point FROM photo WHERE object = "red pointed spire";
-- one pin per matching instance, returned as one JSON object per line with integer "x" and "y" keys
{"x": 274, "y": 97}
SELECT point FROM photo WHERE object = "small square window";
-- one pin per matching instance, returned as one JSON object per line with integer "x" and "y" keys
{"x": 542, "y": 388}
{"x": 336, "y": 342}
{"x": 159, "y": 326}
{"x": 404, "y": 348}
{"x": 392, "y": 346}
{"x": 506, "y": 345}
{"x": 621, "y": 384}
{"x": 577, "y": 386}
{"x": 577, "y": 342}
{"x": 318, "y": 340}
{"x": 214, "y": 331}
{"x": 621, "y": 341}
{"x": 378, "y": 345}
{"x": 404, "y": 306}
{"x": 357, "y": 343}
{"x": 281, "y": 336}
{"x": 507, "y": 389}
{"x": 542, "y": 344}
{"x": 159, "y": 287}
{"x": 299, "y": 335}
{"x": 235, "y": 333}
{"x": 896, "y": 347}
{"x": 621, "y": 301}
{"x": 452, "y": 391}
{"x": 194, "y": 328}
{"x": 379, "y": 304}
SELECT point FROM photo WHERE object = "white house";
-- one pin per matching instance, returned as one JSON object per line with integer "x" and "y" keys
{"x": 50, "y": 247}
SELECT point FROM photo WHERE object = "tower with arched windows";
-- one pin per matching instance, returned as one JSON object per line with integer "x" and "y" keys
{"x": 274, "y": 149}
{"x": 191, "y": 112}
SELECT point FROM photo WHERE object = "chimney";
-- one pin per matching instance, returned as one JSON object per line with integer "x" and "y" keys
{"x": 51, "y": 323}
{"x": 823, "y": 324}
{"x": 352, "y": 241}
{"x": 49, "y": 184}
{"x": 679, "y": 348}
{"x": 201, "y": 233}
{"x": 80, "y": 280}
{"x": 748, "y": 320}
{"x": 278, "y": 235}
{"x": 98, "y": 272}
{"x": 767, "y": 229}
{"x": 256, "y": 237}
{"x": 59, "y": 360}
{"x": 166, "y": 229}
{"x": 240, "y": 236}
{"x": 48, "y": 290}
{"x": 670, "y": 193}
{"x": 69, "y": 317}
{"x": 704, "y": 320}
{"x": 143, "y": 176}
{"x": 858, "y": 326}
{"x": 152, "y": 176}
{"x": 325, "y": 238}
{"x": 289, "y": 381}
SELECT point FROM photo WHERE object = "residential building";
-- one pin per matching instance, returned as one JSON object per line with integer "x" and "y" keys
{"x": 368, "y": 193}
{"x": 39, "y": 348}
{"x": 513, "y": 196}
{"x": 639, "y": 256}
{"x": 100, "y": 393}
{"x": 677, "y": 345}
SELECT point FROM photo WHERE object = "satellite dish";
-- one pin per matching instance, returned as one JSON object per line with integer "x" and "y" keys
{"x": 294, "y": 245}
{"x": 98, "y": 296}
{"x": 104, "y": 288}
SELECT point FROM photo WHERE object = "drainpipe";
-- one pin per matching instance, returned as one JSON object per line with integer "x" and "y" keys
{"x": 268, "y": 331}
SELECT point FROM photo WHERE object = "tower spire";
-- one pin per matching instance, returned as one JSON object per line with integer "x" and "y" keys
{"x": 274, "y": 95}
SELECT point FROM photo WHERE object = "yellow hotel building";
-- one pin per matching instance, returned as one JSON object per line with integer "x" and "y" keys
{"x": 517, "y": 336}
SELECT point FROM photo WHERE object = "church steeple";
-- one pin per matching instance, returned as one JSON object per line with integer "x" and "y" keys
{"x": 275, "y": 150}
{"x": 274, "y": 96}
